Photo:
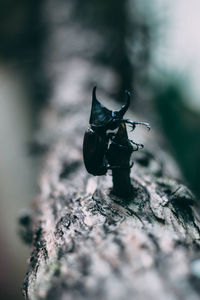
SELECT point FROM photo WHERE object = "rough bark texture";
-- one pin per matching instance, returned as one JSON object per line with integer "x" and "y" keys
{"x": 88, "y": 243}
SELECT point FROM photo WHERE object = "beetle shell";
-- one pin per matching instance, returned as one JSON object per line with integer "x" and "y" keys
{"x": 94, "y": 150}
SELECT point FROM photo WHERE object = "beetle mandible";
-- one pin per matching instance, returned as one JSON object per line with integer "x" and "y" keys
{"x": 102, "y": 125}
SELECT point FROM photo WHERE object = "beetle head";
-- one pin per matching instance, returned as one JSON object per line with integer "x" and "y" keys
{"x": 101, "y": 116}
{"x": 118, "y": 114}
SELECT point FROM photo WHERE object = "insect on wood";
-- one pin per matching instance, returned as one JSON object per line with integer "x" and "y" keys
{"x": 100, "y": 136}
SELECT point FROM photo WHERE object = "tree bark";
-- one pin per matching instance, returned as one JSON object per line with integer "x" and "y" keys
{"x": 88, "y": 243}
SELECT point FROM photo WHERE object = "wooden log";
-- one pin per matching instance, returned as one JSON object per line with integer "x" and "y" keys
{"x": 88, "y": 243}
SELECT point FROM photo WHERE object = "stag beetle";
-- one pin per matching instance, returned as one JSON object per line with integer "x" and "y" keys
{"x": 102, "y": 125}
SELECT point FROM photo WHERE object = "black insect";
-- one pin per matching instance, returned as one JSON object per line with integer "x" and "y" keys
{"x": 100, "y": 133}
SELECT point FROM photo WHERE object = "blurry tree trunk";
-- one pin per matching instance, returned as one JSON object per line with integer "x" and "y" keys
{"x": 88, "y": 243}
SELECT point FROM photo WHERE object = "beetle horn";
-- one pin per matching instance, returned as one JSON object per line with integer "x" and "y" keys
{"x": 100, "y": 115}
{"x": 95, "y": 102}
{"x": 95, "y": 105}
{"x": 94, "y": 94}
{"x": 124, "y": 107}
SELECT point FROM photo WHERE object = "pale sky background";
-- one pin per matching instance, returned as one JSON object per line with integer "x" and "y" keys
{"x": 179, "y": 48}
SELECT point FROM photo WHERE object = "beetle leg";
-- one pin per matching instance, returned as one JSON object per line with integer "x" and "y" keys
{"x": 121, "y": 146}
{"x": 133, "y": 124}
{"x": 110, "y": 135}
{"x": 131, "y": 165}
{"x": 113, "y": 167}
{"x": 139, "y": 146}
{"x": 120, "y": 167}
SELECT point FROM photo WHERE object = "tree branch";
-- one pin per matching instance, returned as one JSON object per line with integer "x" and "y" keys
{"x": 88, "y": 243}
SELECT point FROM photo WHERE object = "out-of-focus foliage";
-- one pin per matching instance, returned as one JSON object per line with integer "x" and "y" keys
{"x": 22, "y": 35}
{"x": 21, "y": 29}
{"x": 182, "y": 128}
{"x": 125, "y": 39}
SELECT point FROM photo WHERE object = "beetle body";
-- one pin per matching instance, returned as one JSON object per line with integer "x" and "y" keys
{"x": 94, "y": 150}
{"x": 102, "y": 124}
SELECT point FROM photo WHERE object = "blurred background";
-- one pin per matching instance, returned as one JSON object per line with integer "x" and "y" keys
{"x": 154, "y": 49}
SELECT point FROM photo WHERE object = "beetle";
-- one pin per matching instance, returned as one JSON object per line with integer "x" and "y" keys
{"x": 102, "y": 125}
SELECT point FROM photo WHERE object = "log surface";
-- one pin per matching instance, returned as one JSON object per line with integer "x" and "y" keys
{"x": 88, "y": 243}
